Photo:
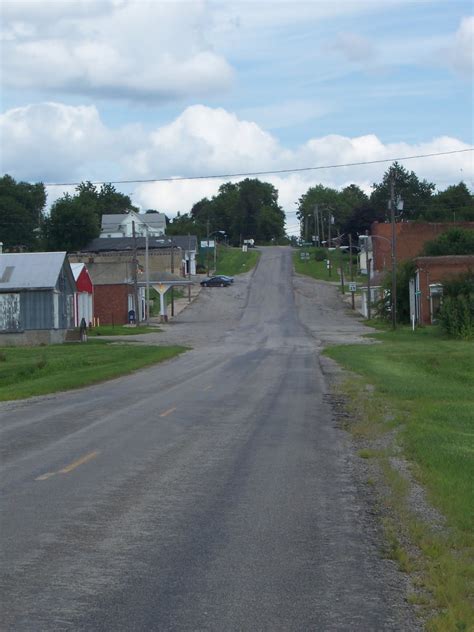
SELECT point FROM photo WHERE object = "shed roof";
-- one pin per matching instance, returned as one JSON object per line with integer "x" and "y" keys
{"x": 185, "y": 242}
{"x": 115, "y": 244}
{"x": 30, "y": 270}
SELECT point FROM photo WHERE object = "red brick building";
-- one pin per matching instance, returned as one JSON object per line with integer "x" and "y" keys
{"x": 410, "y": 238}
{"x": 426, "y": 289}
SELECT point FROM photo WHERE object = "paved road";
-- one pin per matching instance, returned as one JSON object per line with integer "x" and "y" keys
{"x": 213, "y": 492}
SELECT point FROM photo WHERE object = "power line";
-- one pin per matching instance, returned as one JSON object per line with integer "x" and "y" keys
{"x": 262, "y": 173}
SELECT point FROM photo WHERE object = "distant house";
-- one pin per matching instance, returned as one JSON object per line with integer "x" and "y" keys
{"x": 426, "y": 288}
{"x": 121, "y": 225}
{"x": 84, "y": 295}
{"x": 36, "y": 298}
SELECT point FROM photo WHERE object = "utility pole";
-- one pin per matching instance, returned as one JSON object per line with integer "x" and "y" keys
{"x": 316, "y": 225}
{"x": 329, "y": 240}
{"x": 172, "y": 272}
{"x": 135, "y": 274}
{"x": 207, "y": 249}
{"x": 147, "y": 278}
{"x": 189, "y": 267}
{"x": 351, "y": 270}
{"x": 394, "y": 252}
{"x": 369, "y": 298}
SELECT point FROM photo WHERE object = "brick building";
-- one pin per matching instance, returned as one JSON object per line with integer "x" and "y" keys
{"x": 410, "y": 238}
{"x": 426, "y": 288}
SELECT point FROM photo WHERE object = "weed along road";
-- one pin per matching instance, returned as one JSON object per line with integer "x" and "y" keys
{"x": 215, "y": 491}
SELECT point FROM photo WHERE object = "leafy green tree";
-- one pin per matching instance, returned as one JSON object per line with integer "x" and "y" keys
{"x": 72, "y": 223}
{"x": 455, "y": 203}
{"x": 104, "y": 201}
{"x": 360, "y": 221}
{"x": 415, "y": 193}
{"x": 185, "y": 224}
{"x": 242, "y": 211}
{"x": 21, "y": 213}
{"x": 339, "y": 205}
{"x": 110, "y": 201}
{"x": 328, "y": 202}
{"x": 455, "y": 241}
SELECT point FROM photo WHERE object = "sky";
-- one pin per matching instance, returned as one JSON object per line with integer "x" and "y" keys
{"x": 110, "y": 90}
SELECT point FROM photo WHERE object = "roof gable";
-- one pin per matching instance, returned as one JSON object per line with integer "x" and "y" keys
{"x": 30, "y": 270}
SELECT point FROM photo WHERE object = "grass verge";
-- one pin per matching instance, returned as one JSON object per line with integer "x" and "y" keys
{"x": 422, "y": 391}
{"x": 28, "y": 371}
{"x": 120, "y": 330}
{"x": 232, "y": 261}
{"x": 319, "y": 270}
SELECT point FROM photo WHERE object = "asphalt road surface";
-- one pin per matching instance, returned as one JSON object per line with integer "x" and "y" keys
{"x": 212, "y": 492}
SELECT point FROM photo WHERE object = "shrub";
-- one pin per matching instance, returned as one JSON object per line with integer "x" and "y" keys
{"x": 320, "y": 254}
{"x": 455, "y": 241}
{"x": 457, "y": 310}
{"x": 405, "y": 271}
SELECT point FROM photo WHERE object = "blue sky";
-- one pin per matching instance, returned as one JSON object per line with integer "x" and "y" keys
{"x": 128, "y": 89}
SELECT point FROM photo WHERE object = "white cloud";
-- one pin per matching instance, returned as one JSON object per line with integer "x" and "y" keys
{"x": 130, "y": 50}
{"x": 460, "y": 53}
{"x": 55, "y": 142}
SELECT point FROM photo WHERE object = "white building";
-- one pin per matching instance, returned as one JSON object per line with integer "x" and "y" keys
{"x": 120, "y": 225}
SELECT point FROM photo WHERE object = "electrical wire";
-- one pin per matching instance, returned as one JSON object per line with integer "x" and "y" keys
{"x": 263, "y": 173}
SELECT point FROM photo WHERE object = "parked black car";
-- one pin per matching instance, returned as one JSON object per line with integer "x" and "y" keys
{"x": 225, "y": 277}
{"x": 215, "y": 281}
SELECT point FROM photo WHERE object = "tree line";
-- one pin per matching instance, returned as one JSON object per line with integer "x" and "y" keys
{"x": 242, "y": 210}
{"x": 351, "y": 211}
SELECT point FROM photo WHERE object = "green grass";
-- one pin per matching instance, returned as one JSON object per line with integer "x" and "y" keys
{"x": 424, "y": 383}
{"x": 120, "y": 330}
{"x": 232, "y": 261}
{"x": 318, "y": 269}
{"x": 28, "y": 371}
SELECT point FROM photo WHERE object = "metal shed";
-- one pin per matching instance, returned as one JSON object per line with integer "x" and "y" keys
{"x": 36, "y": 298}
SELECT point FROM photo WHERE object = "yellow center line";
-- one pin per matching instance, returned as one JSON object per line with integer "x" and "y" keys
{"x": 44, "y": 477}
{"x": 69, "y": 468}
{"x": 83, "y": 459}
{"x": 168, "y": 412}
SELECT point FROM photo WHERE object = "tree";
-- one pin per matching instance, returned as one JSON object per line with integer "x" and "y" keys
{"x": 104, "y": 201}
{"x": 455, "y": 241}
{"x": 184, "y": 225}
{"x": 72, "y": 223}
{"x": 416, "y": 194}
{"x": 331, "y": 203}
{"x": 247, "y": 209}
{"x": 453, "y": 204}
{"x": 21, "y": 213}
{"x": 360, "y": 220}
{"x": 110, "y": 201}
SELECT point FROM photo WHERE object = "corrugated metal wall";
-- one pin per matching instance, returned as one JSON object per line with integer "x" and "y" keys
{"x": 37, "y": 309}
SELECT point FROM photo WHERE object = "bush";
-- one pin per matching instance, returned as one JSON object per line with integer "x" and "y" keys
{"x": 455, "y": 241}
{"x": 405, "y": 271}
{"x": 457, "y": 310}
{"x": 320, "y": 254}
